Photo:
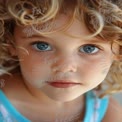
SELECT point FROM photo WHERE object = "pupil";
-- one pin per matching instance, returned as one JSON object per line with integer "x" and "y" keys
{"x": 42, "y": 46}
{"x": 89, "y": 49}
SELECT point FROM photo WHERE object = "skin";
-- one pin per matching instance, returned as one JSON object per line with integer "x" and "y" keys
{"x": 114, "y": 112}
{"x": 65, "y": 60}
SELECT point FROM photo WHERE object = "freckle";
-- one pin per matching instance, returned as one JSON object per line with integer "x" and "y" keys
{"x": 104, "y": 71}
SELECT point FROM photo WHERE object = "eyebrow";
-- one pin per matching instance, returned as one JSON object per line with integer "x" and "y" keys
{"x": 35, "y": 36}
{"x": 95, "y": 40}
{"x": 92, "y": 40}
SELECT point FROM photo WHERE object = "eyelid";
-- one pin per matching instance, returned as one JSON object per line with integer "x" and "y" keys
{"x": 35, "y": 42}
{"x": 97, "y": 46}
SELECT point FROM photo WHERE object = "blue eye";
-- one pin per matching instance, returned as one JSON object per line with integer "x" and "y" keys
{"x": 42, "y": 46}
{"x": 90, "y": 49}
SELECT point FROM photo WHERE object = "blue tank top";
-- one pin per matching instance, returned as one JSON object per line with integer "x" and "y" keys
{"x": 95, "y": 109}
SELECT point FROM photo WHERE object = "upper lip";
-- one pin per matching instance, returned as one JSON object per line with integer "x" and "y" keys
{"x": 63, "y": 82}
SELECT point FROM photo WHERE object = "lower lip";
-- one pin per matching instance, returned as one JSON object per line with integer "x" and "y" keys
{"x": 62, "y": 85}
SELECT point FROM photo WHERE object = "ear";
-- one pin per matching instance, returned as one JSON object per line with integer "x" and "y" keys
{"x": 117, "y": 50}
{"x": 120, "y": 50}
{"x": 120, "y": 54}
{"x": 117, "y": 58}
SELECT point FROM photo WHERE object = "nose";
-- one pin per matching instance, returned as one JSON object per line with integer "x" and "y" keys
{"x": 65, "y": 64}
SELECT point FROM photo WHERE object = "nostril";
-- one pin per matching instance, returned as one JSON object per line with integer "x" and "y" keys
{"x": 65, "y": 68}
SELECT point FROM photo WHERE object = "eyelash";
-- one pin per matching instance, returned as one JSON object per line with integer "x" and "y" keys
{"x": 94, "y": 45}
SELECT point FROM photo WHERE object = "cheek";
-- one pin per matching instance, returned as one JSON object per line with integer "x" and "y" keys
{"x": 31, "y": 60}
{"x": 33, "y": 67}
{"x": 36, "y": 67}
{"x": 95, "y": 71}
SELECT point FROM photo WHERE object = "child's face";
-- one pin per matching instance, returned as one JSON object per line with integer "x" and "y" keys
{"x": 61, "y": 57}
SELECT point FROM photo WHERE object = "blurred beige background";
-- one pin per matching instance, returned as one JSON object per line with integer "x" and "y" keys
{"x": 118, "y": 97}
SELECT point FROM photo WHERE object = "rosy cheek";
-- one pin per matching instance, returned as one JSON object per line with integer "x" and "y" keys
{"x": 49, "y": 59}
{"x": 38, "y": 64}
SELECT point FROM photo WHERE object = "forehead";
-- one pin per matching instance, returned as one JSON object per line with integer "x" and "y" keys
{"x": 75, "y": 28}
{"x": 59, "y": 22}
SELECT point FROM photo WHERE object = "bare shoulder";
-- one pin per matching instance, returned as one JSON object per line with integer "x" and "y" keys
{"x": 10, "y": 81}
{"x": 114, "y": 112}
{"x": 11, "y": 84}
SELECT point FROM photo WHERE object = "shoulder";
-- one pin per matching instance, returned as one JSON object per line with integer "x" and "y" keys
{"x": 114, "y": 112}
{"x": 11, "y": 84}
{"x": 10, "y": 81}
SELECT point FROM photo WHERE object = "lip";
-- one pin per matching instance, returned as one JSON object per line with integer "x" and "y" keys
{"x": 62, "y": 83}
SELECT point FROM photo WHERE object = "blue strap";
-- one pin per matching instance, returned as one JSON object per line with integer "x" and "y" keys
{"x": 95, "y": 107}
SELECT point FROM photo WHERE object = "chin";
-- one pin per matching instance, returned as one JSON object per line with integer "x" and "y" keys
{"x": 62, "y": 95}
{"x": 63, "y": 99}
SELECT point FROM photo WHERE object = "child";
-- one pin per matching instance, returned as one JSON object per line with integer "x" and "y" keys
{"x": 48, "y": 72}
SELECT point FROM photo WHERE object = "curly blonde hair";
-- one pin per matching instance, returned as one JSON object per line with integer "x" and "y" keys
{"x": 103, "y": 18}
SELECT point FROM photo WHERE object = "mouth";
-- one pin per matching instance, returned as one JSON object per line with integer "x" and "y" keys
{"x": 62, "y": 83}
